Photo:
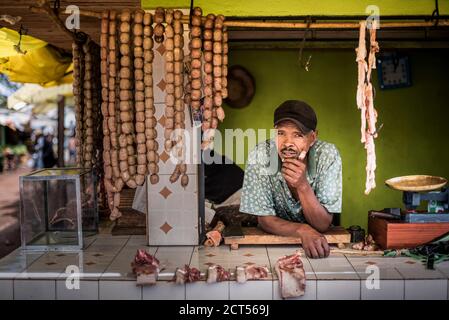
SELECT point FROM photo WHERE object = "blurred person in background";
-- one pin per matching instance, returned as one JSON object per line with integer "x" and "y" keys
{"x": 72, "y": 149}
{"x": 38, "y": 147}
{"x": 48, "y": 154}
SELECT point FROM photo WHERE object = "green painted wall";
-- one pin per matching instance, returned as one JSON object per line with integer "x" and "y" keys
{"x": 303, "y": 7}
{"x": 415, "y": 136}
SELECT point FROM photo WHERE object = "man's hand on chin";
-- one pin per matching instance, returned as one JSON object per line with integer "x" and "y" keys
{"x": 294, "y": 171}
{"x": 314, "y": 243}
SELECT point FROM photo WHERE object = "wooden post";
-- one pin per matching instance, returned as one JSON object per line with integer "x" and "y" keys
{"x": 2, "y": 136}
{"x": 61, "y": 103}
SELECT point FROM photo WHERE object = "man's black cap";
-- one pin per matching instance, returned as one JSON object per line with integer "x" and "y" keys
{"x": 298, "y": 112}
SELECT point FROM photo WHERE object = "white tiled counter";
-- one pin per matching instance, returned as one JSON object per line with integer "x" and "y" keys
{"x": 105, "y": 273}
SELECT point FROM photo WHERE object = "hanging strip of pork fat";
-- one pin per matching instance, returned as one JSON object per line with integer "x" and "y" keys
{"x": 374, "y": 48}
{"x": 371, "y": 115}
{"x": 369, "y": 96}
{"x": 362, "y": 68}
{"x": 370, "y": 164}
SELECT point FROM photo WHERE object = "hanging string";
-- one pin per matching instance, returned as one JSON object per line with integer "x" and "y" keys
{"x": 191, "y": 13}
{"x": 56, "y": 7}
{"x": 436, "y": 14}
{"x": 22, "y": 31}
{"x": 305, "y": 64}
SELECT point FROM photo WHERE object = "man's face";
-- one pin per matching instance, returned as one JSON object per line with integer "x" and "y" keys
{"x": 290, "y": 141}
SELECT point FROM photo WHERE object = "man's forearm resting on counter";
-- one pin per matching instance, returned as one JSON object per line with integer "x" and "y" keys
{"x": 281, "y": 227}
{"x": 316, "y": 215}
{"x": 314, "y": 244}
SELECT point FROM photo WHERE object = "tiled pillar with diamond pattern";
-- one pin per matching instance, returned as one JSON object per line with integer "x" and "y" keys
{"x": 172, "y": 210}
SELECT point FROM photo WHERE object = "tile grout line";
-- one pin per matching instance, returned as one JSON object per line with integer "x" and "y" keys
{"x": 429, "y": 279}
{"x": 405, "y": 280}
{"x": 154, "y": 255}
{"x": 353, "y": 268}
{"x": 403, "y": 290}
{"x": 272, "y": 273}
{"x": 112, "y": 260}
{"x": 28, "y": 266}
{"x": 57, "y": 278}
{"x": 190, "y": 262}
{"x": 191, "y": 255}
{"x": 314, "y": 273}
{"x": 115, "y": 256}
{"x": 316, "y": 278}
{"x": 96, "y": 238}
{"x": 38, "y": 279}
{"x": 358, "y": 276}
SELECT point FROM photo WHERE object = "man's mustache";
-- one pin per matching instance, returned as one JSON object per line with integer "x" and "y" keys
{"x": 296, "y": 153}
{"x": 289, "y": 149}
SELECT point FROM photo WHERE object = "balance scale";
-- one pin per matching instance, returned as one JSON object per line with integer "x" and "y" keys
{"x": 394, "y": 228}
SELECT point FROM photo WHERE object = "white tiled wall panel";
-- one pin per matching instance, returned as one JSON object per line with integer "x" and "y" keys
{"x": 251, "y": 290}
{"x": 426, "y": 289}
{"x": 107, "y": 274}
{"x": 34, "y": 290}
{"x": 88, "y": 290}
{"x": 206, "y": 291}
{"x": 387, "y": 290}
{"x": 173, "y": 212}
{"x": 164, "y": 290}
{"x": 309, "y": 294}
{"x": 338, "y": 289}
{"x": 6, "y": 290}
{"x": 179, "y": 210}
{"x": 119, "y": 290}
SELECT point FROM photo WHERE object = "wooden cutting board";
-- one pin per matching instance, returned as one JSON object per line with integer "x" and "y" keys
{"x": 336, "y": 235}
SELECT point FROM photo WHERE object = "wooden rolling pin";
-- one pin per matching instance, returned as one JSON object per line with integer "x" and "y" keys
{"x": 358, "y": 252}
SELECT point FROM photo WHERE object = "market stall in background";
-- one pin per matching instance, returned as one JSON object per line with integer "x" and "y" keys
{"x": 144, "y": 93}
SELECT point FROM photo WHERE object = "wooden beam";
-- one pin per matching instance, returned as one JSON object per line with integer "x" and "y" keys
{"x": 45, "y": 7}
{"x": 347, "y": 44}
{"x": 85, "y": 13}
{"x": 329, "y": 25}
{"x": 292, "y": 25}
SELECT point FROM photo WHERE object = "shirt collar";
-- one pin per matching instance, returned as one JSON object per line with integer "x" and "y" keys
{"x": 311, "y": 162}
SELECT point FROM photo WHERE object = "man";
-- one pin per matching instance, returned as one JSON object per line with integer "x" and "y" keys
{"x": 48, "y": 155}
{"x": 299, "y": 197}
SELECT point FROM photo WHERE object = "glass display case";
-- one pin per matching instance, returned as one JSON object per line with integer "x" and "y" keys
{"x": 58, "y": 208}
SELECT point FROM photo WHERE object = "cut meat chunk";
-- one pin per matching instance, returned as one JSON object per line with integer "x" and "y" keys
{"x": 292, "y": 278}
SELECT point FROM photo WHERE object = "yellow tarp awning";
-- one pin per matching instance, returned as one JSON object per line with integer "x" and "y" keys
{"x": 41, "y": 63}
{"x": 10, "y": 38}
